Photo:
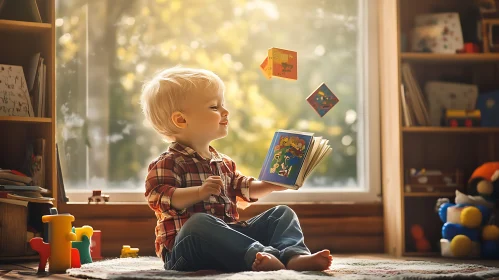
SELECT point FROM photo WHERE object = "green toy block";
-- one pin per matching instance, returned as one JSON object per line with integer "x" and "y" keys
{"x": 83, "y": 247}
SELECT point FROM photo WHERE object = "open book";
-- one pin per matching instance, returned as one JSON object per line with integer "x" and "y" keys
{"x": 292, "y": 157}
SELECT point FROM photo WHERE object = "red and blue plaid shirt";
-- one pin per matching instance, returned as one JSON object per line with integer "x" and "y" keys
{"x": 182, "y": 167}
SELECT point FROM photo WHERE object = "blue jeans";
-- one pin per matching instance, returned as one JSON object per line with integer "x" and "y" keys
{"x": 207, "y": 242}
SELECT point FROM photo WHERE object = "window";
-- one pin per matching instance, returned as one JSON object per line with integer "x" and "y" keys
{"x": 106, "y": 49}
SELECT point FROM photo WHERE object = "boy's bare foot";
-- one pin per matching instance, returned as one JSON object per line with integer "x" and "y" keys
{"x": 266, "y": 262}
{"x": 319, "y": 261}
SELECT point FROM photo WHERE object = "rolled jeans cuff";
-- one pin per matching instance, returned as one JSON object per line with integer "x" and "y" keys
{"x": 254, "y": 248}
{"x": 289, "y": 252}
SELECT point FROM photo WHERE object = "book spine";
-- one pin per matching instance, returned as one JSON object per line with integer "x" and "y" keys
{"x": 270, "y": 67}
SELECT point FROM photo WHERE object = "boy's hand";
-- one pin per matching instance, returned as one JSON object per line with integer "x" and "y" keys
{"x": 212, "y": 186}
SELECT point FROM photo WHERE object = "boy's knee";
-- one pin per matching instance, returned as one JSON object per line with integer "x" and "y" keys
{"x": 197, "y": 223}
{"x": 285, "y": 210}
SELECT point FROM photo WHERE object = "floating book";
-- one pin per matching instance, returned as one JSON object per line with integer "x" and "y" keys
{"x": 292, "y": 157}
{"x": 280, "y": 63}
{"x": 322, "y": 100}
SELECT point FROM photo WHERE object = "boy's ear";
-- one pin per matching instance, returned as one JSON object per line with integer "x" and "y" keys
{"x": 179, "y": 120}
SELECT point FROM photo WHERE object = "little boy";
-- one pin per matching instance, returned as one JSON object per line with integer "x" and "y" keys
{"x": 192, "y": 188}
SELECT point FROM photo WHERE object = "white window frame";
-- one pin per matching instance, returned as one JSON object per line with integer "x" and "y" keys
{"x": 369, "y": 144}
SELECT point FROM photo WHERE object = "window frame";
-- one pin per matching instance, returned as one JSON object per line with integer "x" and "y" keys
{"x": 369, "y": 155}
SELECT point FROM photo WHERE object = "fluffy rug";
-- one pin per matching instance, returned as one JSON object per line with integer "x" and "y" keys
{"x": 342, "y": 268}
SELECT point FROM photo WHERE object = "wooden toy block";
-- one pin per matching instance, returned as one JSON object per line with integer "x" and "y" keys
{"x": 127, "y": 252}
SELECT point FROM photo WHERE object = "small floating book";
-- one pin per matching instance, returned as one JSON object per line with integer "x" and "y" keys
{"x": 292, "y": 157}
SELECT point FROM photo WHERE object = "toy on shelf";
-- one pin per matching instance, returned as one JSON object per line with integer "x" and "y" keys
{"x": 127, "y": 252}
{"x": 97, "y": 197}
{"x": 60, "y": 241}
{"x": 462, "y": 118}
{"x": 421, "y": 243}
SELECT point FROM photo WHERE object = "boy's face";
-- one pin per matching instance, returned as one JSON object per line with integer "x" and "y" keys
{"x": 206, "y": 116}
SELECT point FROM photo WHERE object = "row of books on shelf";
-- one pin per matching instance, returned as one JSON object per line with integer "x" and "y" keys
{"x": 23, "y": 92}
{"x": 446, "y": 103}
{"x": 28, "y": 182}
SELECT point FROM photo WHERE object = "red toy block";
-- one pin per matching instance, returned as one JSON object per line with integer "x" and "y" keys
{"x": 75, "y": 258}
{"x": 43, "y": 249}
{"x": 95, "y": 245}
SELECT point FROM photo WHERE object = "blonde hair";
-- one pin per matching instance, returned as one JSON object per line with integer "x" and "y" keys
{"x": 167, "y": 91}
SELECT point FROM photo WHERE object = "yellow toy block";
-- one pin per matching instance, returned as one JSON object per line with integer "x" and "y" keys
{"x": 60, "y": 241}
{"x": 87, "y": 230}
{"x": 127, "y": 252}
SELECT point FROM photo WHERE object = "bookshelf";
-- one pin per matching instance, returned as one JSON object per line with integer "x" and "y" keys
{"x": 21, "y": 40}
{"x": 433, "y": 147}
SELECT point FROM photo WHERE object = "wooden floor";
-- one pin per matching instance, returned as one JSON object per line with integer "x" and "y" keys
{"x": 27, "y": 270}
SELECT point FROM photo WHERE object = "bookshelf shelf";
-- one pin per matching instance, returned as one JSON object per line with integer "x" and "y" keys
{"x": 431, "y": 129}
{"x": 429, "y": 194}
{"x": 24, "y": 26}
{"x": 25, "y": 119}
{"x": 449, "y": 58}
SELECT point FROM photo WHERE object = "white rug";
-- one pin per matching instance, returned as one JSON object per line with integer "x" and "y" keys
{"x": 342, "y": 268}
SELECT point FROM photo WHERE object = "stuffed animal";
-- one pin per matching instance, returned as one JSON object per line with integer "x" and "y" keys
{"x": 469, "y": 229}
{"x": 484, "y": 181}
{"x": 463, "y": 222}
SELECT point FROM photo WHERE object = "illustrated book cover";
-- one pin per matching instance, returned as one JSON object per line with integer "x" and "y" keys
{"x": 292, "y": 156}
{"x": 322, "y": 100}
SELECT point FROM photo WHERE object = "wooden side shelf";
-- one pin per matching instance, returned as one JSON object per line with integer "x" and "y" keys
{"x": 428, "y": 194}
{"x": 24, "y": 26}
{"x": 436, "y": 129}
{"x": 25, "y": 119}
{"x": 452, "y": 58}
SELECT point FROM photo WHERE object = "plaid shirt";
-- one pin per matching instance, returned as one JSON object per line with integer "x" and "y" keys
{"x": 182, "y": 167}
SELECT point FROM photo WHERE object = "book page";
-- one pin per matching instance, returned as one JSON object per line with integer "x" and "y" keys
{"x": 316, "y": 153}
{"x": 311, "y": 151}
{"x": 322, "y": 153}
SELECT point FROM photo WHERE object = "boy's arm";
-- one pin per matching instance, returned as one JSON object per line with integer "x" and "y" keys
{"x": 185, "y": 197}
{"x": 259, "y": 189}
{"x": 249, "y": 188}
{"x": 164, "y": 179}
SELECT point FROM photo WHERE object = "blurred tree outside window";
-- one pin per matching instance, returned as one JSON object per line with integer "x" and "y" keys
{"x": 106, "y": 49}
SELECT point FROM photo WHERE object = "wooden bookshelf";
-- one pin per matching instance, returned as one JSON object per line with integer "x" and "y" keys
{"x": 21, "y": 41}
{"x": 430, "y": 147}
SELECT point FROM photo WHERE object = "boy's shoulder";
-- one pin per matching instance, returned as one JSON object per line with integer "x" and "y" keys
{"x": 167, "y": 159}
